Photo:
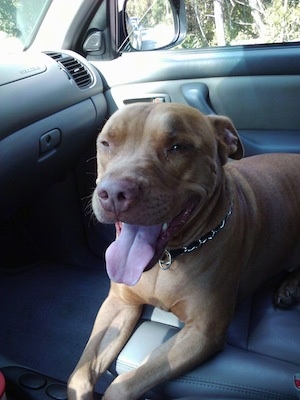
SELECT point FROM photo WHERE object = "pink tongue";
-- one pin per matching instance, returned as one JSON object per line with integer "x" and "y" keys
{"x": 131, "y": 252}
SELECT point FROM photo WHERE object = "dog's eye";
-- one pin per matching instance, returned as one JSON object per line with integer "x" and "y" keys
{"x": 178, "y": 148}
{"x": 105, "y": 143}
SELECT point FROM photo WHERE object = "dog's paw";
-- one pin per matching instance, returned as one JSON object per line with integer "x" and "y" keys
{"x": 287, "y": 295}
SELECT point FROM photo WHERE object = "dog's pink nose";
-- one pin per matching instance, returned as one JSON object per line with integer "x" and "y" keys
{"x": 117, "y": 195}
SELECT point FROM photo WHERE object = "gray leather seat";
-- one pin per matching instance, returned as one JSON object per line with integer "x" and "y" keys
{"x": 259, "y": 361}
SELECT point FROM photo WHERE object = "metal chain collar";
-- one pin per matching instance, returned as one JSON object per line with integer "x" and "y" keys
{"x": 168, "y": 256}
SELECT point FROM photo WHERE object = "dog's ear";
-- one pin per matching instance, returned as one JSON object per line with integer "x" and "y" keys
{"x": 229, "y": 142}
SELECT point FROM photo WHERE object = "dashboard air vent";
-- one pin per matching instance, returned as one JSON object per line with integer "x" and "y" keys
{"x": 54, "y": 55}
{"x": 78, "y": 72}
{"x": 75, "y": 69}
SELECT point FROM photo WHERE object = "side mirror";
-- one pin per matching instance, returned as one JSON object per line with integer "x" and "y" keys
{"x": 153, "y": 25}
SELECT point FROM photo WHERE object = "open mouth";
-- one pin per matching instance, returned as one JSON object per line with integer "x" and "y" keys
{"x": 138, "y": 248}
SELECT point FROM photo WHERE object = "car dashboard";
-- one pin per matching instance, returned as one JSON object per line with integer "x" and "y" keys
{"x": 52, "y": 106}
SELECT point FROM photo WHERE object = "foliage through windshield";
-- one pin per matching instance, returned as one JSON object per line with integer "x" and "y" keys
{"x": 19, "y": 20}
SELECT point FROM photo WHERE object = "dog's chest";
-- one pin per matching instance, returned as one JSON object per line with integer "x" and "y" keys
{"x": 165, "y": 289}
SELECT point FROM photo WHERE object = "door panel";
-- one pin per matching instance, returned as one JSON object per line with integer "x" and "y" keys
{"x": 264, "y": 108}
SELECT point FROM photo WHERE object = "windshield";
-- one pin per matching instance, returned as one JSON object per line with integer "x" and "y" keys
{"x": 19, "y": 22}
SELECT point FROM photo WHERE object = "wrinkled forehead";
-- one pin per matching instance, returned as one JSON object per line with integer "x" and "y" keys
{"x": 180, "y": 122}
{"x": 126, "y": 118}
{"x": 170, "y": 120}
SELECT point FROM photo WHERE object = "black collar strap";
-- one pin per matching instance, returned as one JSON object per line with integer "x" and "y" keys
{"x": 168, "y": 256}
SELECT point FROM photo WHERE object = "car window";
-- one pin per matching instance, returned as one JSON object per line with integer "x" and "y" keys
{"x": 215, "y": 23}
{"x": 234, "y": 22}
{"x": 19, "y": 22}
{"x": 39, "y": 24}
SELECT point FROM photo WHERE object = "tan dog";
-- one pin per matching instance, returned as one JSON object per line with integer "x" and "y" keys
{"x": 162, "y": 181}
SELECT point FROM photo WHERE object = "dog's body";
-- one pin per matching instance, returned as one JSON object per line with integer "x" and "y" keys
{"x": 161, "y": 173}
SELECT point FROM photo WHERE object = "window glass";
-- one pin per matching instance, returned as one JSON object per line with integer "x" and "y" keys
{"x": 19, "y": 20}
{"x": 241, "y": 22}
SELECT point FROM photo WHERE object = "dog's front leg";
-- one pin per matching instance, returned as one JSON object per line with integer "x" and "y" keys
{"x": 187, "y": 349}
{"x": 113, "y": 326}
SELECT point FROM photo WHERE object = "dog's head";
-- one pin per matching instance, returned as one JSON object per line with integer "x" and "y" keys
{"x": 157, "y": 165}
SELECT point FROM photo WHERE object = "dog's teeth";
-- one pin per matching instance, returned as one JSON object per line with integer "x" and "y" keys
{"x": 165, "y": 227}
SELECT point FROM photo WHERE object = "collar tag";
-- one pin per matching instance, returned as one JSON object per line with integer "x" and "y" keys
{"x": 165, "y": 261}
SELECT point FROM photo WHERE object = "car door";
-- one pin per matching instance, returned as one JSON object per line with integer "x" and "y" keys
{"x": 256, "y": 85}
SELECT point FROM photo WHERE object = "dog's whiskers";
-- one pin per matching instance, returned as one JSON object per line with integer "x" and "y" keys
{"x": 88, "y": 209}
{"x": 91, "y": 159}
